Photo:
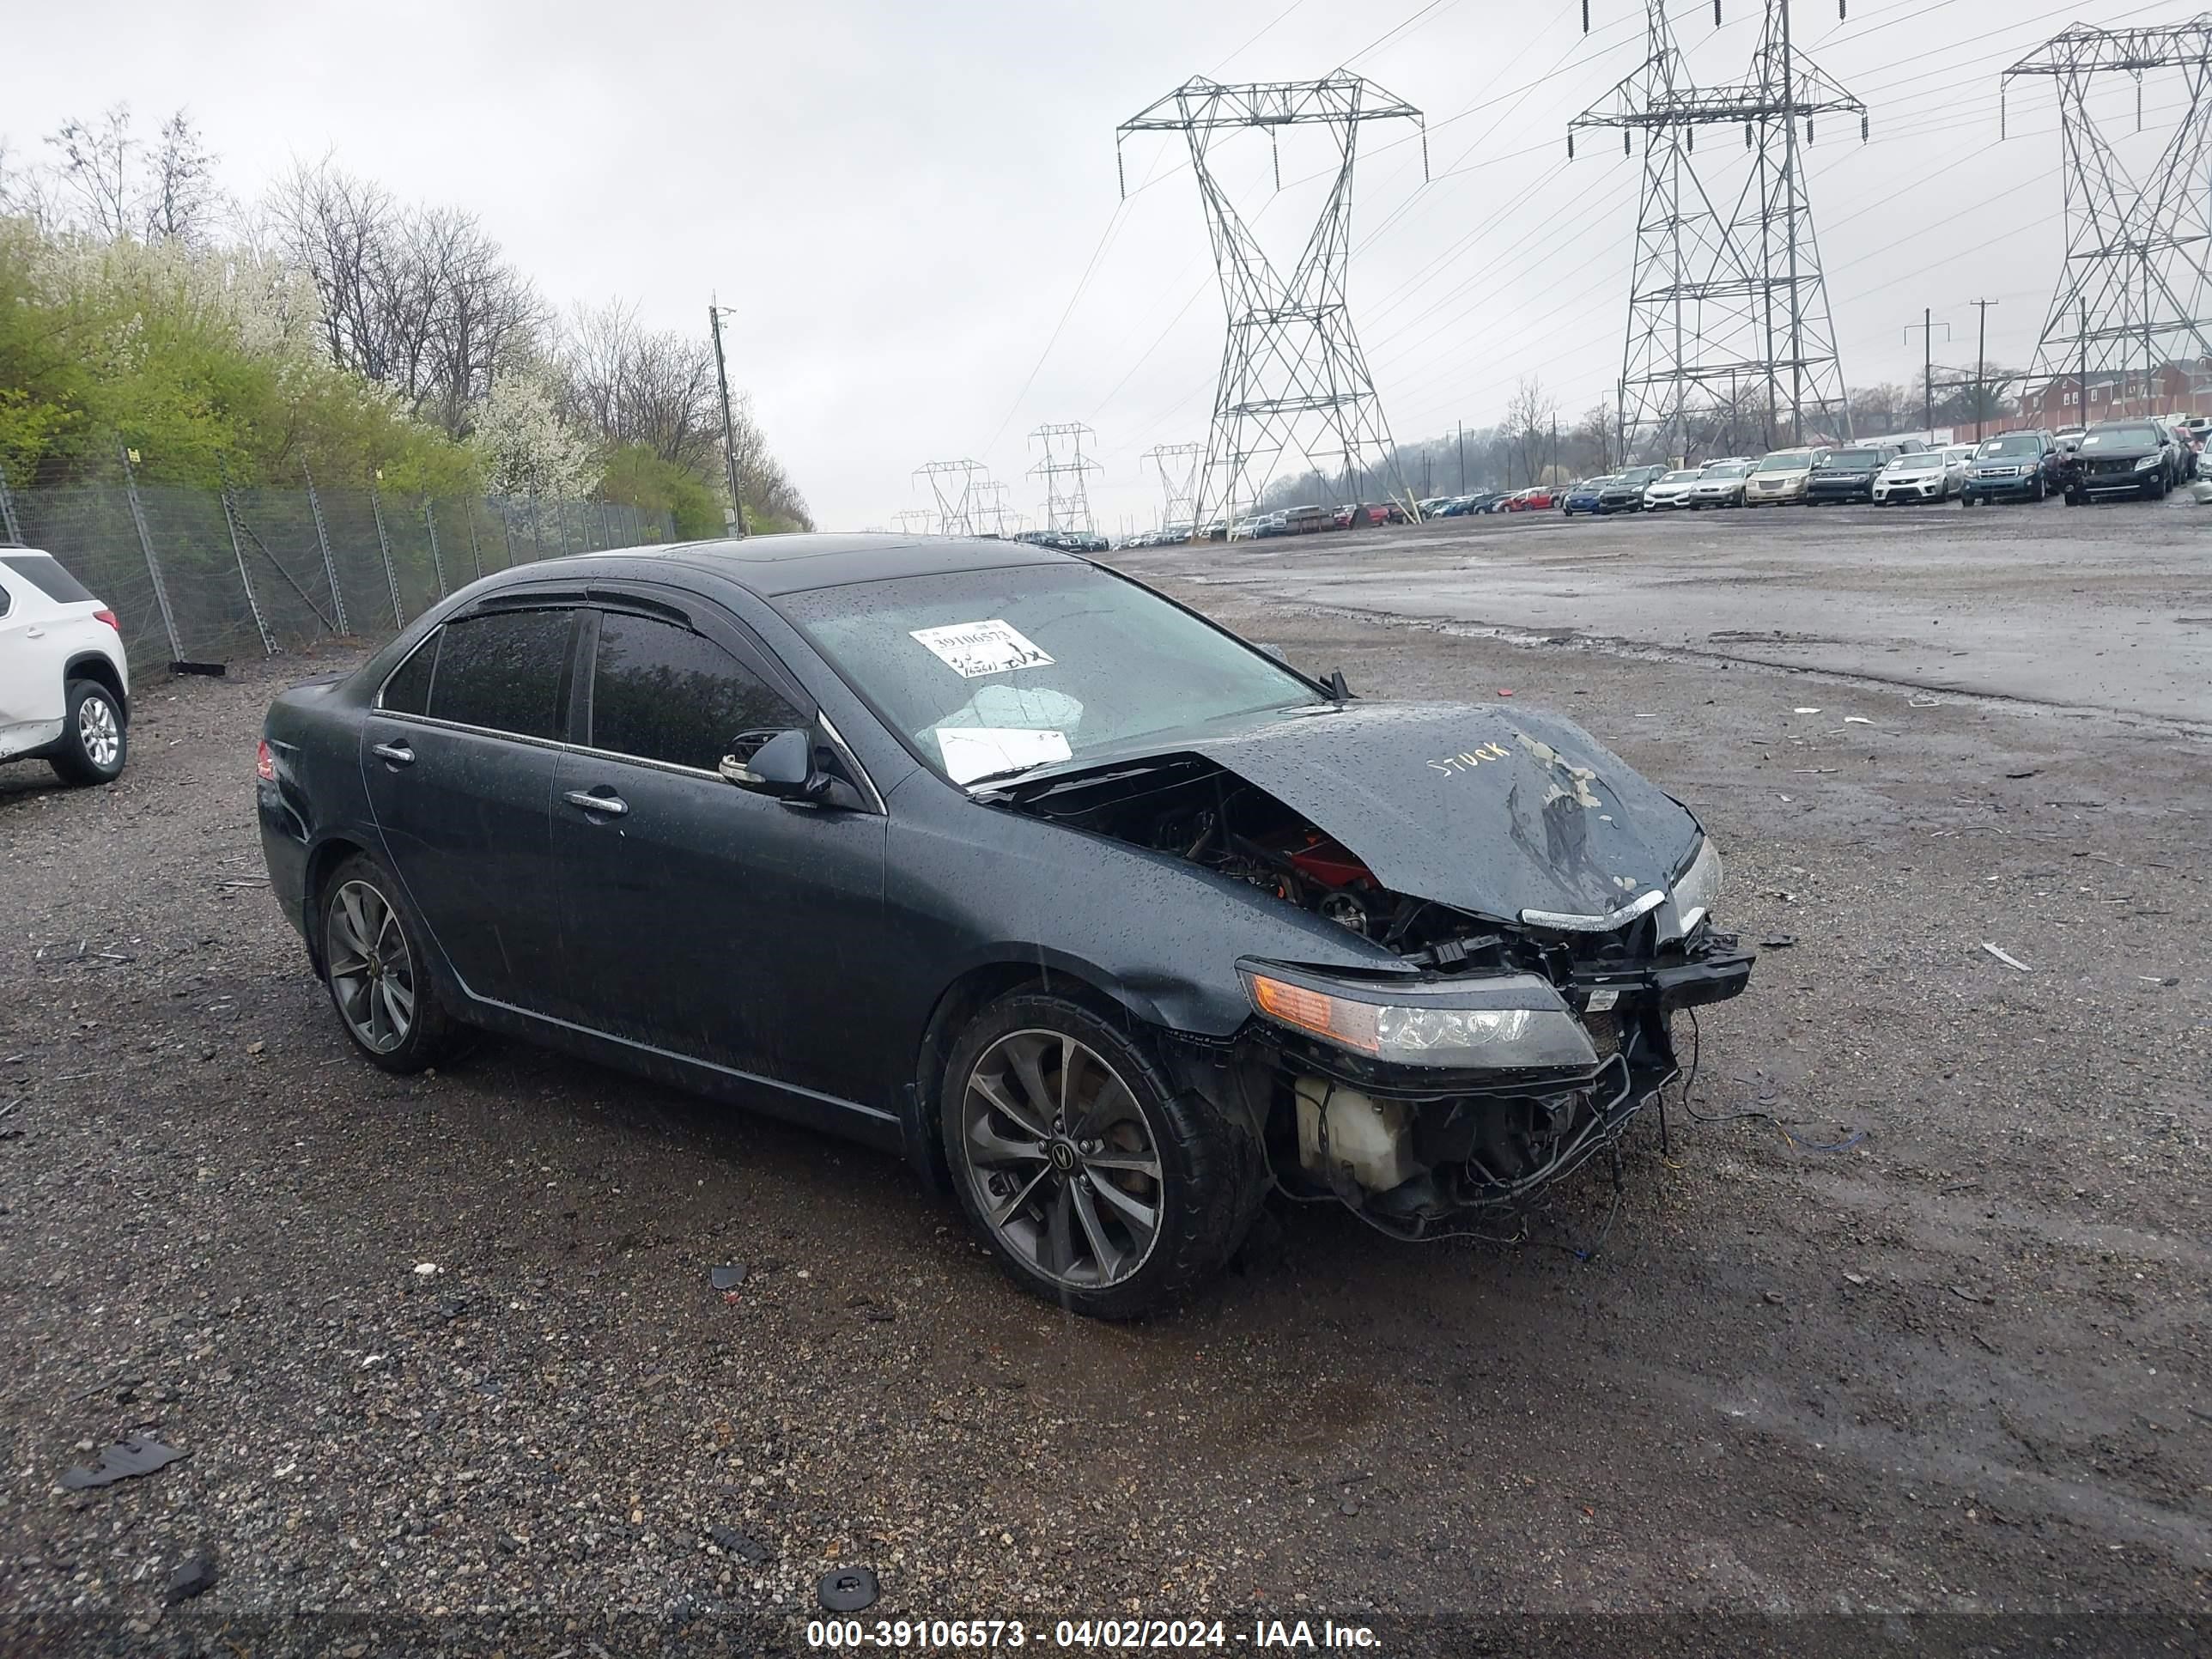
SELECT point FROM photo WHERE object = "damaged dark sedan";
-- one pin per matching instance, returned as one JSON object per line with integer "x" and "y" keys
{"x": 992, "y": 857}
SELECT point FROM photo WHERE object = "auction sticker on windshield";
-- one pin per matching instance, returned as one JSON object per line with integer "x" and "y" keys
{"x": 974, "y": 649}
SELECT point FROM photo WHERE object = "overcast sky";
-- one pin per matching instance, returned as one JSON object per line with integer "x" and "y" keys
{"x": 901, "y": 199}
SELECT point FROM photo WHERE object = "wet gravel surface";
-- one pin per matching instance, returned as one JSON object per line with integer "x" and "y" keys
{"x": 1926, "y": 1334}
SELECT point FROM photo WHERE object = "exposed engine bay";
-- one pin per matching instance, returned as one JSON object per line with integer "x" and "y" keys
{"x": 1188, "y": 806}
{"x": 1416, "y": 1150}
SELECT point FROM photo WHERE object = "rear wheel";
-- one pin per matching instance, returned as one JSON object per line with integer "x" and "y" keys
{"x": 372, "y": 953}
{"x": 94, "y": 742}
{"x": 1096, "y": 1182}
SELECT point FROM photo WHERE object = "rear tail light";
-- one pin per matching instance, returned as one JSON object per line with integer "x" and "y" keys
{"x": 107, "y": 616}
{"x": 264, "y": 764}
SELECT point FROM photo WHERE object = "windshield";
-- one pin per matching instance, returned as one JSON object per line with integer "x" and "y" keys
{"x": 2018, "y": 444}
{"x": 1690, "y": 476}
{"x": 1728, "y": 469}
{"x": 993, "y": 671}
{"x": 1853, "y": 460}
{"x": 1787, "y": 460}
{"x": 1917, "y": 463}
{"x": 2122, "y": 437}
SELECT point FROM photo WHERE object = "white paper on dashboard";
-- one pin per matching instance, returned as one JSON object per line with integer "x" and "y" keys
{"x": 976, "y": 752}
{"x": 975, "y": 648}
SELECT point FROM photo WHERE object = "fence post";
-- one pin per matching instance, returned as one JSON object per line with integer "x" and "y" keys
{"x": 245, "y": 581}
{"x": 536, "y": 529}
{"x": 153, "y": 564}
{"x": 506, "y": 529}
{"x": 476, "y": 553}
{"x": 384, "y": 547}
{"x": 323, "y": 540}
{"x": 14, "y": 531}
{"x": 437, "y": 561}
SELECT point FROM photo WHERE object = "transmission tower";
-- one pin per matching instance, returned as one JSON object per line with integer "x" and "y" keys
{"x": 1177, "y": 465}
{"x": 952, "y": 483}
{"x": 1293, "y": 375}
{"x": 1723, "y": 306}
{"x": 2135, "y": 277}
{"x": 1065, "y": 470}
{"x": 914, "y": 520}
{"x": 988, "y": 507}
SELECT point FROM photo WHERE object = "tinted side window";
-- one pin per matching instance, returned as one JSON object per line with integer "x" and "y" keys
{"x": 44, "y": 572}
{"x": 408, "y": 690}
{"x": 503, "y": 672}
{"x": 663, "y": 693}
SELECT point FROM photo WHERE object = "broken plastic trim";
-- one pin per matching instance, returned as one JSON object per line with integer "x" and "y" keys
{"x": 1567, "y": 922}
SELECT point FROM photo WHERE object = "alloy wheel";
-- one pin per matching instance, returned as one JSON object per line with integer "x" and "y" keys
{"x": 372, "y": 972}
{"x": 97, "y": 733}
{"x": 1061, "y": 1159}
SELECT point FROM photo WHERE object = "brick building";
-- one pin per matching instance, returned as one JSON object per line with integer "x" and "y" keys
{"x": 2178, "y": 388}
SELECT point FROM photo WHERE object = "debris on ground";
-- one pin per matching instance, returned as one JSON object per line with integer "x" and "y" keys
{"x": 425, "y": 1269}
{"x": 1807, "y": 711}
{"x": 1777, "y": 941}
{"x": 729, "y": 1278}
{"x": 1856, "y": 720}
{"x": 195, "y": 1576}
{"x": 731, "y": 1541}
{"x": 2008, "y": 960}
{"x": 846, "y": 1589}
{"x": 135, "y": 1455}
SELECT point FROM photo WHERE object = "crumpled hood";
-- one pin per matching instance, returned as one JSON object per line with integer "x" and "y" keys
{"x": 1488, "y": 810}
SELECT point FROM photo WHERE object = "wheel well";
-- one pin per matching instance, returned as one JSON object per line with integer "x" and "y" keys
{"x": 325, "y": 859}
{"x": 94, "y": 666}
{"x": 961, "y": 1002}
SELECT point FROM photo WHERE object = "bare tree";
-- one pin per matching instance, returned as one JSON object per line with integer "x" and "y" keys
{"x": 423, "y": 300}
{"x": 93, "y": 171}
{"x": 1528, "y": 418}
{"x": 181, "y": 203}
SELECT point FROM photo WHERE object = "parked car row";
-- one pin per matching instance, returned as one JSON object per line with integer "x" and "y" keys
{"x": 2142, "y": 455}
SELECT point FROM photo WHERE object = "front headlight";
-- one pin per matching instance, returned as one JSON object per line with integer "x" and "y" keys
{"x": 1507, "y": 1020}
{"x": 2149, "y": 462}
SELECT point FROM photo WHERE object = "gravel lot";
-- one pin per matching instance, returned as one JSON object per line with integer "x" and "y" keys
{"x": 448, "y": 1369}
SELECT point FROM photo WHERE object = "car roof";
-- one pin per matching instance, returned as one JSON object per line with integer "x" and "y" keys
{"x": 771, "y": 566}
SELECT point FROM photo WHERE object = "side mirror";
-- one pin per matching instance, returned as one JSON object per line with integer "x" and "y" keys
{"x": 782, "y": 767}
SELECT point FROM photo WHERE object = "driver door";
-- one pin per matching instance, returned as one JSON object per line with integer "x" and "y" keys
{"x": 700, "y": 918}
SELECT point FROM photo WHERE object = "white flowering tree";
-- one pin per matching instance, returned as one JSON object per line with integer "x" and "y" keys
{"x": 525, "y": 444}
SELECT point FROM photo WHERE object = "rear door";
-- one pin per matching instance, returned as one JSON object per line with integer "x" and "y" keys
{"x": 458, "y": 758}
{"x": 705, "y": 920}
{"x": 35, "y": 631}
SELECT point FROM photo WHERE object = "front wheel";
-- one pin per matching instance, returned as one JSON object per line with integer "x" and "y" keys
{"x": 1097, "y": 1182}
{"x": 372, "y": 958}
{"x": 93, "y": 740}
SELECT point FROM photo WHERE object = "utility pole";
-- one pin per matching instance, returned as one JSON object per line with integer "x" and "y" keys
{"x": 1459, "y": 443}
{"x": 2085, "y": 365}
{"x": 729, "y": 425}
{"x": 1981, "y": 368}
{"x": 1927, "y": 327}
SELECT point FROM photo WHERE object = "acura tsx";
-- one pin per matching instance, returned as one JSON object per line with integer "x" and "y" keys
{"x": 992, "y": 857}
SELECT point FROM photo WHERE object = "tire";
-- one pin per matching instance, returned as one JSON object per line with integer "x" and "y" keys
{"x": 95, "y": 741}
{"x": 2041, "y": 491}
{"x": 1966, "y": 498}
{"x": 389, "y": 1009}
{"x": 1063, "y": 1211}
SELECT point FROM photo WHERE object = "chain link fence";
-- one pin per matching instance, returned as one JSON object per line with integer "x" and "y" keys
{"x": 207, "y": 576}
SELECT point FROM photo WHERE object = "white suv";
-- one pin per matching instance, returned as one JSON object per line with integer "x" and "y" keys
{"x": 64, "y": 682}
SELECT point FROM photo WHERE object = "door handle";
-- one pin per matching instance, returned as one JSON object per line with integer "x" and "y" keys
{"x": 397, "y": 753}
{"x": 34, "y": 632}
{"x": 613, "y": 805}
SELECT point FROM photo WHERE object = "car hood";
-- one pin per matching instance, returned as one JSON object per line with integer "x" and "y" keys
{"x": 1492, "y": 811}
